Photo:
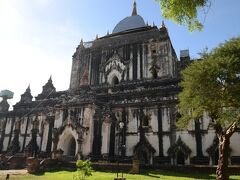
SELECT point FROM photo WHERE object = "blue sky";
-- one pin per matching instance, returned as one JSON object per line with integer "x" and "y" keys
{"x": 39, "y": 37}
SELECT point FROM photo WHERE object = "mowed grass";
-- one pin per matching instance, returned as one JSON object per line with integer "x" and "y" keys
{"x": 147, "y": 175}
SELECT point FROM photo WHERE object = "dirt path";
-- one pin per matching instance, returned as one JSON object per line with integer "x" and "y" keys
{"x": 12, "y": 172}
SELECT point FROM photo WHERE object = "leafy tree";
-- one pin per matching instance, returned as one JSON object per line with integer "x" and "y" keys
{"x": 184, "y": 12}
{"x": 212, "y": 86}
{"x": 84, "y": 169}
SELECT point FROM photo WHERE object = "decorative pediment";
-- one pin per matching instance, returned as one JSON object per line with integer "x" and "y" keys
{"x": 214, "y": 147}
{"x": 179, "y": 145}
{"x": 115, "y": 62}
{"x": 143, "y": 146}
{"x": 144, "y": 151}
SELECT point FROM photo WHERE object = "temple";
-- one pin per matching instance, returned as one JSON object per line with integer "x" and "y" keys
{"x": 121, "y": 102}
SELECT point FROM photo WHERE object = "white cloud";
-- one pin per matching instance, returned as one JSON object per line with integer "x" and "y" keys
{"x": 24, "y": 56}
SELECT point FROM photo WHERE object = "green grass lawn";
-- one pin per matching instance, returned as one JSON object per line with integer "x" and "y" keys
{"x": 68, "y": 175}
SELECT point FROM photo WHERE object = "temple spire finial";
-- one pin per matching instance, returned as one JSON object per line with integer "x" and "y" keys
{"x": 163, "y": 24}
{"x": 81, "y": 42}
{"x": 28, "y": 88}
{"x": 134, "y": 12}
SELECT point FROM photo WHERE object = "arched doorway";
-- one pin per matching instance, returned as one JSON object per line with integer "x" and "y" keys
{"x": 179, "y": 152}
{"x": 115, "y": 80}
{"x": 144, "y": 151}
{"x": 144, "y": 158}
{"x": 69, "y": 146}
{"x": 180, "y": 158}
{"x": 67, "y": 142}
{"x": 72, "y": 147}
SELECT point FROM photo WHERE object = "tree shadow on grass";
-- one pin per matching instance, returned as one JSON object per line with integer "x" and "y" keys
{"x": 196, "y": 175}
{"x": 41, "y": 173}
{"x": 151, "y": 175}
{"x": 157, "y": 174}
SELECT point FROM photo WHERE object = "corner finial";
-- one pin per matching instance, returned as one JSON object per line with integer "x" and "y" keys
{"x": 134, "y": 12}
{"x": 163, "y": 24}
{"x": 97, "y": 37}
{"x": 163, "y": 27}
{"x": 81, "y": 43}
{"x": 153, "y": 24}
{"x": 108, "y": 32}
{"x": 28, "y": 88}
{"x": 50, "y": 79}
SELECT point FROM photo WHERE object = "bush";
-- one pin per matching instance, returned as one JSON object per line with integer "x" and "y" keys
{"x": 84, "y": 169}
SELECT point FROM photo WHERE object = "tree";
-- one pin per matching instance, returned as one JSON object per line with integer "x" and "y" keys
{"x": 212, "y": 86}
{"x": 184, "y": 12}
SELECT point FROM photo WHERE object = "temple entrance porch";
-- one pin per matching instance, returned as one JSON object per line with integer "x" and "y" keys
{"x": 68, "y": 142}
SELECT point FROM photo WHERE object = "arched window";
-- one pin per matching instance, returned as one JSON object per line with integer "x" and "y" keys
{"x": 115, "y": 80}
{"x": 145, "y": 121}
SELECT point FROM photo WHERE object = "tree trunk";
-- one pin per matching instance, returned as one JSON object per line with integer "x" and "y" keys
{"x": 222, "y": 168}
{"x": 224, "y": 143}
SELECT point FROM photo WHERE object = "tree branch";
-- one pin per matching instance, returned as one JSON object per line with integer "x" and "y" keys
{"x": 231, "y": 129}
{"x": 218, "y": 128}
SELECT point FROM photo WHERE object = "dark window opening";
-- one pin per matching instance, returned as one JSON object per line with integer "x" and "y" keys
{"x": 72, "y": 147}
{"x": 180, "y": 158}
{"x": 145, "y": 121}
{"x": 144, "y": 158}
{"x": 115, "y": 81}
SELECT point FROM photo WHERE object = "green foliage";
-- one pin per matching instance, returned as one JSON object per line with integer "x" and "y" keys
{"x": 84, "y": 169}
{"x": 212, "y": 85}
{"x": 184, "y": 12}
{"x": 79, "y": 163}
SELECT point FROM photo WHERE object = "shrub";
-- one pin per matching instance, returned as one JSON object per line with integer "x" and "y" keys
{"x": 84, "y": 169}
